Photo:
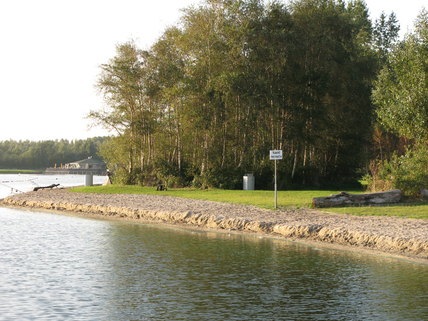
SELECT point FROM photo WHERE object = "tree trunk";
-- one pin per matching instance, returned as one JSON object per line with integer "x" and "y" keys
{"x": 294, "y": 164}
{"x": 344, "y": 198}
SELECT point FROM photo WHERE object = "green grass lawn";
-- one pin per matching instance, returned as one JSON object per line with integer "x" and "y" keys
{"x": 266, "y": 199}
{"x": 21, "y": 171}
{"x": 404, "y": 210}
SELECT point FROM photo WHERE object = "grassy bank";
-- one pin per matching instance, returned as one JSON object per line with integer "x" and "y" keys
{"x": 21, "y": 171}
{"x": 266, "y": 199}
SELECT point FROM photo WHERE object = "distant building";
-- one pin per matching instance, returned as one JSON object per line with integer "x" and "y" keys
{"x": 88, "y": 163}
{"x": 84, "y": 166}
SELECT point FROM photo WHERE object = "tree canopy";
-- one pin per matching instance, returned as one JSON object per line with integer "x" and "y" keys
{"x": 401, "y": 99}
{"x": 401, "y": 91}
{"x": 234, "y": 79}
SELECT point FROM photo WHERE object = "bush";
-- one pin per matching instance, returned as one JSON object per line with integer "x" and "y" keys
{"x": 382, "y": 176}
{"x": 224, "y": 178}
{"x": 168, "y": 173}
{"x": 407, "y": 173}
{"x": 197, "y": 181}
{"x": 121, "y": 176}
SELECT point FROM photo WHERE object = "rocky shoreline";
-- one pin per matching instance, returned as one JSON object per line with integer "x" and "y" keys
{"x": 398, "y": 237}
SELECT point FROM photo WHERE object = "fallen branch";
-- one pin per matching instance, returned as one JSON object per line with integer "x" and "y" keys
{"x": 342, "y": 198}
{"x": 43, "y": 187}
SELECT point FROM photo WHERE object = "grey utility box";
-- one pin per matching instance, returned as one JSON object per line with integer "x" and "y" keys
{"x": 89, "y": 180}
{"x": 248, "y": 181}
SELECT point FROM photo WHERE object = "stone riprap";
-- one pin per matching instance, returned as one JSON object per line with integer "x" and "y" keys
{"x": 392, "y": 235}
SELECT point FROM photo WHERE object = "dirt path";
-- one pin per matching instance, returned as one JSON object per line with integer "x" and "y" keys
{"x": 398, "y": 237}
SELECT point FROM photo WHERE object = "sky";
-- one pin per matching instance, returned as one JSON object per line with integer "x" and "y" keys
{"x": 51, "y": 51}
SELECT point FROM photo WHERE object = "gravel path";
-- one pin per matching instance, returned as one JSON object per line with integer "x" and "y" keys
{"x": 397, "y": 236}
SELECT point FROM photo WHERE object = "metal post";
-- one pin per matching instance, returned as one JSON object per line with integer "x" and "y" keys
{"x": 274, "y": 155}
{"x": 276, "y": 199}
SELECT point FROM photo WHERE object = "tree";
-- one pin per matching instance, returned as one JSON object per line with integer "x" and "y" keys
{"x": 401, "y": 91}
{"x": 331, "y": 77}
{"x": 167, "y": 87}
{"x": 235, "y": 79}
{"x": 42, "y": 154}
{"x": 385, "y": 35}
{"x": 213, "y": 43}
{"x": 128, "y": 110}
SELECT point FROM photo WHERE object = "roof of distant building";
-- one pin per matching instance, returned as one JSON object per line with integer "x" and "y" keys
{"x": 88, "y": 161}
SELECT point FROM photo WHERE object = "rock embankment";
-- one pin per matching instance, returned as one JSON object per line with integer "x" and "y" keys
{"x": 396, "y": 236}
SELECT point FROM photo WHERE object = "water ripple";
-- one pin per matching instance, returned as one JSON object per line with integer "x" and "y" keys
{"x": 57, "y": 267}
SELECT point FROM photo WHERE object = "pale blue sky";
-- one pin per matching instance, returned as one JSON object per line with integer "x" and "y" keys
{"x": 51, "y": 51}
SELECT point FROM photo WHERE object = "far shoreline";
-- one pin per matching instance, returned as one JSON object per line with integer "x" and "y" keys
{"x": 150, "y": 210}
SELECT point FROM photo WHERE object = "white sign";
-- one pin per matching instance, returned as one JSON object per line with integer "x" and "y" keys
{"x": 275, "y": 154}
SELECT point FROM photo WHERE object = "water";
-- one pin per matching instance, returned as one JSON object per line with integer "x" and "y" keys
{"x": 20, "y": 183}
{"x": 59, "y": 267}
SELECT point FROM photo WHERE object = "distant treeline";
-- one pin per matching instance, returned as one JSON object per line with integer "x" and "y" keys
{"x": 42, "y": 154}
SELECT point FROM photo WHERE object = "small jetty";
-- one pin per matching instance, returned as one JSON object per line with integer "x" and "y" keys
{"x": 82, "y": 167}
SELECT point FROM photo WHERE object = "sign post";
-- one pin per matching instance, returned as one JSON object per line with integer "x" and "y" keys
{"x": 275, "y": 155}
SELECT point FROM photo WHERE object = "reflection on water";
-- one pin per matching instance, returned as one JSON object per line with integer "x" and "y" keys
{"x": 59, "y": 267}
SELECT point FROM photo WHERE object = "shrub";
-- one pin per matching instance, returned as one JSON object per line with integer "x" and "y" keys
{"x": 407, "y": 173}
{"x": 121, "y": 176}
{"x": 224, "y": 178}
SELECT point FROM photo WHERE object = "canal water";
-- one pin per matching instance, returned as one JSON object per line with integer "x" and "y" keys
{"x": 11, "y": 184}
{"x": 59, "y": 267}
